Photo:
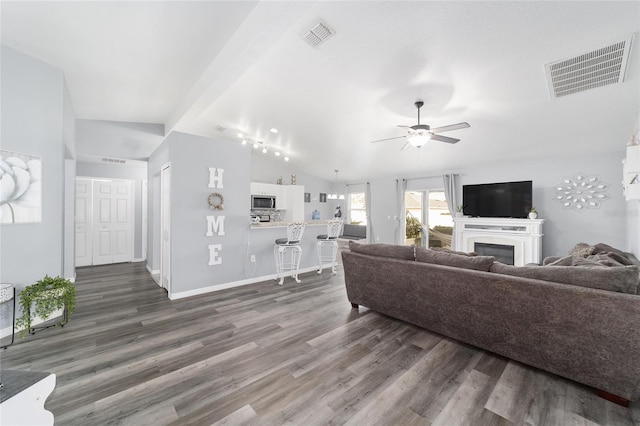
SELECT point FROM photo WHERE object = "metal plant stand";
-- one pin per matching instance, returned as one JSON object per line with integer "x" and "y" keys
{"x": 8, "y": 294}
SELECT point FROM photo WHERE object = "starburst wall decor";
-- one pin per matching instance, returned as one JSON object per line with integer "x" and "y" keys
{"x": 581, "y": 192}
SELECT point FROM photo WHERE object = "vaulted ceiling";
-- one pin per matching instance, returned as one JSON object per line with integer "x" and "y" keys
{"x": 218, "y": 68}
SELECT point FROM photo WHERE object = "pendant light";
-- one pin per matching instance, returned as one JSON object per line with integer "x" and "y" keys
{"x": 334, "y": 195}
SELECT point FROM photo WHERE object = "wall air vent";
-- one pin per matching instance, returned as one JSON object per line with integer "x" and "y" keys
{"x": 597, "y": 68}
{"x": 318, "y": 34}
{"x": 113, "y": 160}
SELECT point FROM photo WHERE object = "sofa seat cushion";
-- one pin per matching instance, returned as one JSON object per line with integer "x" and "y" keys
{"x": 478, "y": 263}
{"x": 622, "y": 279}
{"x": 446, "y": 250}
{"x": 384, "y": 250}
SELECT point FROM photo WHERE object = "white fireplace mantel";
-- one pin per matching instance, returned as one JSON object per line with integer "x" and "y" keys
{"x": 525, "y": 235}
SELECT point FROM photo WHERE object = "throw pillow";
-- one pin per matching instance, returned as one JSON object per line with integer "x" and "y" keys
{"x": 605, "y": 248}
{"x": 446, "y": 250}
{"x": 622, "y": 279}
{"x": 383, "y": 250}
{"x": 563, "y": 261}
{"x": 582, "y": 250}
{"x": 478, "y": 263}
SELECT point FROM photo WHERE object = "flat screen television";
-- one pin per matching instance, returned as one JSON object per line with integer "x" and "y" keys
{"x": 505, "y": 199}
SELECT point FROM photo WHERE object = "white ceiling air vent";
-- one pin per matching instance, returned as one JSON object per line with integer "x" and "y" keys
{"x": 113, "y": 160}
{"x": 600, "y": 67}
{"x": 219, "y": 128}
{"x": 318, "y": 34}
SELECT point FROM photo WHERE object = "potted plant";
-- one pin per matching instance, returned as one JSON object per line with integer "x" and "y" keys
{"x": 533, "y": 213}
{"x": 44, "y": 298}
{"x": 459, "y": 210}
{"x": 413, "y": 231}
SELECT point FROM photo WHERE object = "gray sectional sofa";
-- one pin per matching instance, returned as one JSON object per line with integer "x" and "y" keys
{"x": 582, "y": 323}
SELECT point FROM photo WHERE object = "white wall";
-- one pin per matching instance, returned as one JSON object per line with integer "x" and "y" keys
{"x": 137, "y": 173}
{"x": 32, "y": 123}
{"x": 69, "y": 138}
{"x": 563, "y": 228}
{"x": 118, "y": 139}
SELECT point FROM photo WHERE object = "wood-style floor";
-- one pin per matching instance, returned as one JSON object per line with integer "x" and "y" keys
{"x": 269, "y": 355}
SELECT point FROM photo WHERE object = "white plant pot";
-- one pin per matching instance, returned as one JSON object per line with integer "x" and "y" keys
{"x": 533, "y": 215}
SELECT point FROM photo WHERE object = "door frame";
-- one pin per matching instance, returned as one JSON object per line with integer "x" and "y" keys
{"x": 165, "y": 219}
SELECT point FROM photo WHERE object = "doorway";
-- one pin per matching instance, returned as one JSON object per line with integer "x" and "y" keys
{"x": 165, "y": 228}
{"x": 104, "y": 224}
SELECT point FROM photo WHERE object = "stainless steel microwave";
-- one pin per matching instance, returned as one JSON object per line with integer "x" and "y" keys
{"x": 263, "y": 202}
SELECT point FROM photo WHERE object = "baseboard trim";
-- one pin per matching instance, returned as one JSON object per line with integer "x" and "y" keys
{"x": 224, "y": 286}
{"x": 152, "y": 271}
{"x": 138, "y": 259}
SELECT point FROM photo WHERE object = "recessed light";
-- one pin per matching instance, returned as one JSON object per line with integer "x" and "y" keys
{"x": 244, "y": 141}
{"x": 240, "y": 135}
{"x": 277, "y": 154}
{"x": 264, "y": 150}
{"x": 256, "y": 145}
{"x": 286, "y": 158}
{"x": 274, "y": 130}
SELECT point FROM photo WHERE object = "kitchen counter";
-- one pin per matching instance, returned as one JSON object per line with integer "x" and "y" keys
{"x": 263, "y": 225}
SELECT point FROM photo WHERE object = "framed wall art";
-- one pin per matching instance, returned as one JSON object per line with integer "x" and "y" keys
{"x": 20, "y": 188}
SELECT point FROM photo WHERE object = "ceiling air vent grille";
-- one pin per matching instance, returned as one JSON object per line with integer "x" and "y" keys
{"x": 589, "y": 70}
{"x": 113, "y": 160}
{"x": 318, "y": 34}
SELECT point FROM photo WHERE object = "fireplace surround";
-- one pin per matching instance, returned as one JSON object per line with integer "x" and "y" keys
{"x": 524, "y": 235}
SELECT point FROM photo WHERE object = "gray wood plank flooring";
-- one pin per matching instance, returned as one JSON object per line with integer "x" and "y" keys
{"x": 263, "y": 354}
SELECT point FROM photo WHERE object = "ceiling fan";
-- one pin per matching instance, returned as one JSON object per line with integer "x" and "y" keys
{"x": 420, "y": 134}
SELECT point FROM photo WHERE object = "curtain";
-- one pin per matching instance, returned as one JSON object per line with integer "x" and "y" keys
{"x": 370, "y": 237}
{"x": 401, "y": 189}
{"x": 450, "y": 192}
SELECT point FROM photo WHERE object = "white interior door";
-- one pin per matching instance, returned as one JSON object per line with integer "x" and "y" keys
{"x": 122, "y": 222}
{"x": 83, "y": 222}
{"x": 165, "y": 227}
{"x": 112, "y": 222}
{"x": 103, "y": 222}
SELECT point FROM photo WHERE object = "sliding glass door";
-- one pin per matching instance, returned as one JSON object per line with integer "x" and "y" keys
{"x": 426, "y": 212}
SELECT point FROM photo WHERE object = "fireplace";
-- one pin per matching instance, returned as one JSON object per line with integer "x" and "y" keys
{"x": 522, "y": 238}
{"x": 502, "y": 252}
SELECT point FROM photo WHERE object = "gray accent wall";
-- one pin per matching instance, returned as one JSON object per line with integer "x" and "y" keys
{"x": 33, "y": 107}
{"x": 136, "y": 173}
{"x": 190, "y": 157}
{"x": 563, "y": 227}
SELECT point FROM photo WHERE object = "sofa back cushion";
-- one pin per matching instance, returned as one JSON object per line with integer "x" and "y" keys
{"x": 479, "y": 263}
{"x": 623, "y": 279}
{"x": 384, "y": 250}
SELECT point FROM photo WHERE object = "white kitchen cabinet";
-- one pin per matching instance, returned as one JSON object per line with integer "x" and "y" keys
{"x": 259, "y": 188}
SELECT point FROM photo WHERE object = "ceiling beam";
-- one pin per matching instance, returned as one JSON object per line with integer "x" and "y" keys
{"x": 262, "y": 29}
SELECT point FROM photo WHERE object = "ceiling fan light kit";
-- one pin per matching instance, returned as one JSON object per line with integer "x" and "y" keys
{"x": 419, "y": 134}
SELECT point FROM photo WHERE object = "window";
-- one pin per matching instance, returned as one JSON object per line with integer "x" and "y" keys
{"x": 357, "y": 208}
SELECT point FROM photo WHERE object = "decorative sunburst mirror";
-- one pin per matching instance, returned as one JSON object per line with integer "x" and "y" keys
{"x": 581, "y": 192}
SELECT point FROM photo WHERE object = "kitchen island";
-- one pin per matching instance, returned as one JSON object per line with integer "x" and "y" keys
{"x": 262, "y": 240}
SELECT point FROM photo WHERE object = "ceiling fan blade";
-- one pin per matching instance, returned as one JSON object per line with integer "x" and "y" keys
{"x": 387, "y": 139}
{"x": 405, "y": 146}
{"x": 450, "y": 127}
{"x": 404, "y": 127}
{"x": 446, "y": 139}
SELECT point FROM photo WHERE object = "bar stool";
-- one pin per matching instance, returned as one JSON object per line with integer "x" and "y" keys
{"x": 329, "y": 242}
{"x": 288, "y": 252}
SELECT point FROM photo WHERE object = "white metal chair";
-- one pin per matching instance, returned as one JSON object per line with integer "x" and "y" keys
{"x": 288, "y": 252}
{"x": 327, "y": 245}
